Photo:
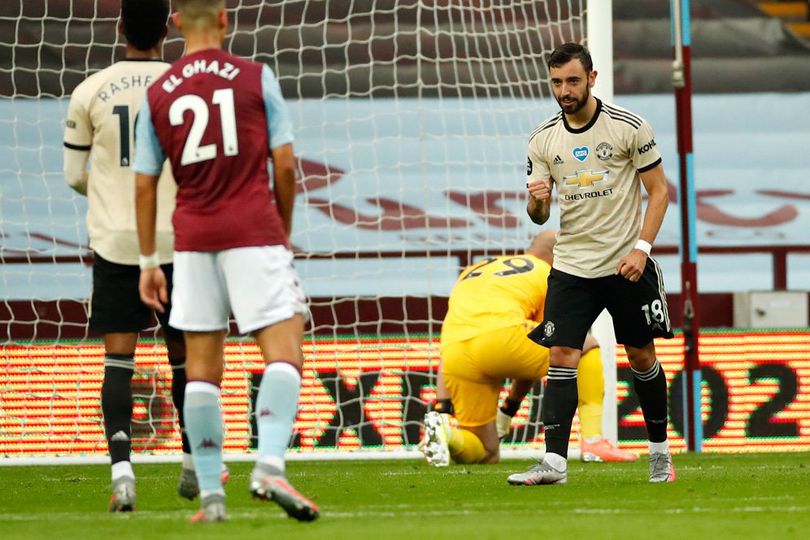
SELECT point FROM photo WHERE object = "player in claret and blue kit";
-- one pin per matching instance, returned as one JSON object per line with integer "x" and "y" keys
{"x": 218, "y": 119}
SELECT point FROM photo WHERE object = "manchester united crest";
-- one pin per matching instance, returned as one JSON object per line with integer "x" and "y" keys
{"x": 604, "y": 151}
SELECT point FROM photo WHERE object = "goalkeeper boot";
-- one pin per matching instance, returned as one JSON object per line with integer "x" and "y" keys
{"x": 661, "y": 468}
{"x": 189, "y": 488}
{"x": 212, "y": 509}
{"x": 541, "y": 473}
{"x": 269, "y": 484}
{"x": 123, "y": 495}
{"x": 602, "y": 450}
{"x": 435, "y": 444}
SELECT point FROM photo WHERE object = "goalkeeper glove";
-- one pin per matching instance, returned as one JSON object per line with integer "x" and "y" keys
{"x": 503, "y": 423}
{"x": 503, "y": 420}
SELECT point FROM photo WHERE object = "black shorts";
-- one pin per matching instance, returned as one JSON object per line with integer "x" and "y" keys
{"x": 573, "y": 303}
{"x": 116, "y": 304}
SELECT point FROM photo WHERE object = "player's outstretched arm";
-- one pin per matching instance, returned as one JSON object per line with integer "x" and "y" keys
{"x": 631, "y": 266}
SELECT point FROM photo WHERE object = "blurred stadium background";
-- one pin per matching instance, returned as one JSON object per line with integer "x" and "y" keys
{"x": 411, "y": 118}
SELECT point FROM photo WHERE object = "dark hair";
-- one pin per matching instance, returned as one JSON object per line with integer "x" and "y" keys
{"x": 144, "y": 22}
{"x": 570, "y": 51}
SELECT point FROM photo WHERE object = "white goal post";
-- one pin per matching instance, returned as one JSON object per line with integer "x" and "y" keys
{"x": 600, "y": 44}
{"x": 411, "y": 119}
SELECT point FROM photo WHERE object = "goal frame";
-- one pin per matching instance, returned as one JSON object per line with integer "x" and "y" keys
{"x": 599, "y": 39}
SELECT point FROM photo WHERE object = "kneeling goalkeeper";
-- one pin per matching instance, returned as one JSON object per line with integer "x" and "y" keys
{"x": 493, "y": 306}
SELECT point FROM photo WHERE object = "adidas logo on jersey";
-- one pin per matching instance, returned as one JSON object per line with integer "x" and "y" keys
{"x": 119, "y": 436}
{"x": 558, "y": 160}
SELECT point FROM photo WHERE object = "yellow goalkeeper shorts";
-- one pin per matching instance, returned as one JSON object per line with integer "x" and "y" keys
{"x": 474, "y": 370}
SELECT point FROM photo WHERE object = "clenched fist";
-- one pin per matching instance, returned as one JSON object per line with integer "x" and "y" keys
{"x": 540, "y": 190}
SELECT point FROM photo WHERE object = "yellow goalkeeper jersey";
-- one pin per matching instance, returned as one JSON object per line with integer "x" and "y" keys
{"x": 495, "y": 293}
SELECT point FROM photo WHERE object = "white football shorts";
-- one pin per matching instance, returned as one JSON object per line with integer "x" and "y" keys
{"x": 258, "y": 284}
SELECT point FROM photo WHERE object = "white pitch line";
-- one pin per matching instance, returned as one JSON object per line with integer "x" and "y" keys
{"x": 264, "y": 514}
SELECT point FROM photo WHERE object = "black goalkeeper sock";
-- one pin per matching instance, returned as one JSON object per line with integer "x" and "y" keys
{"x": 651, "y": 387}
{"x": 178, "y": 396}
{"x": 559, "y": 405}
{"x": 116, "y": 404}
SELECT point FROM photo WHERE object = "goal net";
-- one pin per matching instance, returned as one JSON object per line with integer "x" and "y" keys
{"x": 411, "y": 120}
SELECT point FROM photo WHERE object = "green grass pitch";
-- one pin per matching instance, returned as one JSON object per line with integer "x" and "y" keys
{"x": 759, "y": 496}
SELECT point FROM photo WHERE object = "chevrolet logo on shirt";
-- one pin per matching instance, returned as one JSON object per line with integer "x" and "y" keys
{"x": 585, "y": 178}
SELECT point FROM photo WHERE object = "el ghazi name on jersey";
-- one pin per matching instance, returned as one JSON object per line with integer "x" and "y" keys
{"x": 201, "y": 65}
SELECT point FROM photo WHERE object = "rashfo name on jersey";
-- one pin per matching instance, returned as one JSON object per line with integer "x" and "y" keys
{"x": 123, "y": 83}
{"x": 228, "y": 71}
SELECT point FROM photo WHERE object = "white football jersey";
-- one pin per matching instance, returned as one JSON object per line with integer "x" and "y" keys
{"x": 595, "y": 169}
{"x": 101, "y": 120}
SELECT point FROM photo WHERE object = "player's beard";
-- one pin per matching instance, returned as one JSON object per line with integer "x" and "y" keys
{"x": 575, "y": 107}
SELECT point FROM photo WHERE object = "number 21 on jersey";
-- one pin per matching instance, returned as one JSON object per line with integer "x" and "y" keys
{"x": 193, "y": 152}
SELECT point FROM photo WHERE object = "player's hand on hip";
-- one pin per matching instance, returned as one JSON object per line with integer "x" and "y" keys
{"x": 539, "y": 189}
{"x": 153, "y": 289}
{"x": 631, "y": 266}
